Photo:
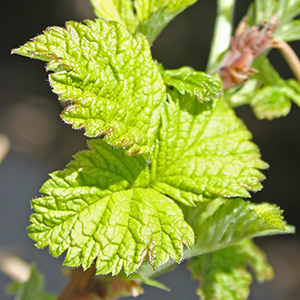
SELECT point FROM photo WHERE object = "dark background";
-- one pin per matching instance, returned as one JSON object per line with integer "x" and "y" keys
{"x": 41, "y": 143}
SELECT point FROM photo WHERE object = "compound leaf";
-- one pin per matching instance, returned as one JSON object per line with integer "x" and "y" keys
{"x": 203, "y": 151}
{"x": 223, "y": 274}
{"x": 101, "y": 208}
{"x": 108, "y": 78}
{"x": 197, "y": 84}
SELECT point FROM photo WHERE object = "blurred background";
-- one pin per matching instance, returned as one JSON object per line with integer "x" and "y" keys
{"x": 41, "y": 143}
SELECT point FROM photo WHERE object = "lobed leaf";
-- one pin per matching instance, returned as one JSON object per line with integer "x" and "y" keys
{"x": 107, "y": 77}
{"x": 197, "y": 84}
{"x": 223, "y": 274}
{"x": 203, "y": 151}
{"x": 101, "y": 208}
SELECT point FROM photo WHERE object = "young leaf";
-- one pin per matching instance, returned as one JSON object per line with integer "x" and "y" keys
{"x": 153, "y": 16}
{"x": 273, "y": 97}
{"x": 223, "y": 274}
{"x": 146, "y": 16}
{"x": 271, "y": 102}
{"x": 222, "y": 223}
{"x": 203, "y": 151}
{"x": 197, "y": 84}
{"x": 289, "y": 32}
{"x": 108, "y": 78}
{"x": 286, "y": 10}
{"x": 101, "y": 208}
{"x": 121, "y": 11}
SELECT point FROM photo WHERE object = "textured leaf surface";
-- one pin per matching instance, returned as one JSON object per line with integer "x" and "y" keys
{"x": 223, "y": 274}
{"x": 188, "y": 81}
{"x": 110, "y": 78}
{"x": 101, "y": 208}
{"x": 222, "y": 223}
{"x": 146, "y": 16}
{"x": 203, "y": 151}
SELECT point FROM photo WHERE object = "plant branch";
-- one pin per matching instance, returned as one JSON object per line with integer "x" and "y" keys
{"x": 222, "y": 33}
{"x": 288, "y": 53}
{"x": 78, "y": 284}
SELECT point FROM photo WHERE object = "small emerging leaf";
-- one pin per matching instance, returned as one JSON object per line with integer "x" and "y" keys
{"x": 197, "y": 84}
{"x": 108, "y": 78}
{"x": 223, "y": 274}
{"x": 271, "y": 102}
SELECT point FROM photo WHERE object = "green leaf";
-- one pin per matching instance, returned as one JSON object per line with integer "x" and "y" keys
{"x": 222, "y": 223}
{"x": 203, "y": 151}
{"x": 154, "y": 15}
{"x": 286, "y": 10}
{"x": 117, "y": 209}
{"x": 121, "y": 11}
{"x": 271, "y": 102}
{"x": 197, "y": 84}
{"x": 32, "y": 289}
{"x": 108, "y": 78}
{"x": 101, "y": 208}
{"x": 272, "y": 98}
{"x": 289, "y": 32}
{"x": 223, "y": 274}
{"x": 146, "y": 16}
{"x": 293, "y": 90}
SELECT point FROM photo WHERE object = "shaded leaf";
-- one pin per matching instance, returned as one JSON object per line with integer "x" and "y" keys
{"x": 222, "y": 223}
{"x": 223, "y": 274}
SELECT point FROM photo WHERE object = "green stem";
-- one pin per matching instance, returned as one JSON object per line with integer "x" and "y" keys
{"x": 222, "y": 33}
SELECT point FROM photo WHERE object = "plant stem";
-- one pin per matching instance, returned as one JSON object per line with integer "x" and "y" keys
{"x": 78, "y": 284}
{"x": 289, "y": 55}
{"x": 222, "y": 32}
